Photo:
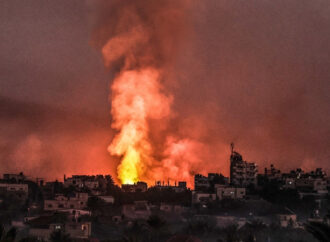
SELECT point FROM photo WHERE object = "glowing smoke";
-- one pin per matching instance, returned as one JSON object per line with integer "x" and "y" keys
{"x": 138, "y": 39}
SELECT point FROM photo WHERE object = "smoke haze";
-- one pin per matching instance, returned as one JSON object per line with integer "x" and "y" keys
{"x": 252, "y": 72}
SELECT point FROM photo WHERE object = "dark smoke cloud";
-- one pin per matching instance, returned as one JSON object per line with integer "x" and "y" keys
{"x": 145, "y": 33}
{"x": 256, "y": 73}
{"x": 47, "y": 142}
{"x": 252, "y": 72}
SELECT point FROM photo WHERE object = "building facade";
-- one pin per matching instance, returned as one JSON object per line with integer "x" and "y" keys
{"x": 242, "y": 173}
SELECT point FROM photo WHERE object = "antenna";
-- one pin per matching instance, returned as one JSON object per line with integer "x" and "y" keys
{"x": 232, "y": 147}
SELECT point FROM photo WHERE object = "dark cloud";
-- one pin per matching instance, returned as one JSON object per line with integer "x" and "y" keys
{"x": 252, "y": 72}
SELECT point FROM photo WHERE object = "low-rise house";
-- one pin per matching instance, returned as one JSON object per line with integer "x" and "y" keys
{"x": 230, "y": 192}
{"x": 181, "y": 187}
{"x": 14, "y": 187}
{"x": 79, "y": 201}
{"x": 203, "y": 198}
{"x": 202, "y": 183}
{"x": 20, "y": 190}
{"x": 75, "y": 230}
{"x": 97, "y": 184}
{"x": 137, "y": 187}
{"x": 20, "y": 177}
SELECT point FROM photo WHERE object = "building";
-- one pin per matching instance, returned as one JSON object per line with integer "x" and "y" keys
{"x": 96, "y": 184}
{"x": 76, "y": 230}
{"x": 242, "y": 173}
{"x": 181, "y": 186}
{"x": 137, "y": 187}
{"x": 228, "y": 192}
{"x": 273, "y": 173}
{"x": 203, "y": 198}
{"x": 207, "y": 184}
{"x": 14, "y": 187}
{"x": 201, "y": 183}
{"x": 61, "y": 202}
{"x": 311, "y": 185}
{"x": 20, "y": 177}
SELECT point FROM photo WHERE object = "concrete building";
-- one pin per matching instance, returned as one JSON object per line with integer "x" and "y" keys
{"x": 138, "y": 187}
{"x": 312, "y": 185}
{"x": 180, "y": 187}
{"x": 230, "y": 192}
{"x": 20, "y": 177}
{"x": 201, "y": 183}
{"x": 242, "y": 173}
{"x": 79, "y": 201}
{"x": 96, "y": 184}
{"x": 203, "y": 198}
{"x": 14, "y": 187}
{"x": 81, "y": 230}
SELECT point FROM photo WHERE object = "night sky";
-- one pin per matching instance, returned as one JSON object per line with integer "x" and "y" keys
{"x": 251, "y": 72}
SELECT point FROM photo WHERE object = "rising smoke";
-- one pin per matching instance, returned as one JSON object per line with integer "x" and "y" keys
{"x": 138, "y": 40}
{"x": 252, "y": 72}
{"x": 239, "y": 80}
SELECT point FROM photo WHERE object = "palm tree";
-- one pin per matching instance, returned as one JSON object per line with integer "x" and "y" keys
{"x": 320, "y": 231}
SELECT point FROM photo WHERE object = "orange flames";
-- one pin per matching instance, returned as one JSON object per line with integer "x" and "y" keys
{"x": 136, "y": 97}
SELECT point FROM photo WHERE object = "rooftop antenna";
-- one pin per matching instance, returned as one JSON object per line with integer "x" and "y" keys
{"x": 232, "y": 147}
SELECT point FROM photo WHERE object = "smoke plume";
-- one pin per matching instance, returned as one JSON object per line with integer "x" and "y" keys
{"x": 138, "y": 40}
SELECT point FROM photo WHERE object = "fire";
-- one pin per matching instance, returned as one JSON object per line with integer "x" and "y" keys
{"x": 136, "y": 97}
{"x": 138, "y": 40}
